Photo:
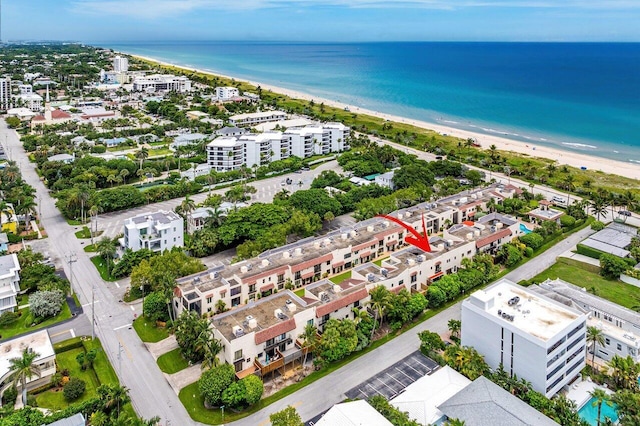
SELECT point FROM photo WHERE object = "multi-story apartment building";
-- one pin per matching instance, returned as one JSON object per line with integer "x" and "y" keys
{"x": 251, "y": 119}
{"x": 162, "y": 82}
{"x": 5, "y": 93}
{"x": 120, "y": 64}
{"x": 157, "y": 231}
{"x": 620, "y": 326}
{"x": 226, "y": 93}
{"x": 531, "y": 336}
{"x": 231, "y": 152}
{"x": 353, "y": 249}
{"x": 9, "y": 282}
{"x": 225, "y": 154}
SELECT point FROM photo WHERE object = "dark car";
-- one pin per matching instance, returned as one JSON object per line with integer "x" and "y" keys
{"x": 624, "y": 213}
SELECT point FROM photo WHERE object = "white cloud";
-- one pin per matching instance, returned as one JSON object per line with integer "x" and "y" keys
{"x": 158, "y": 8}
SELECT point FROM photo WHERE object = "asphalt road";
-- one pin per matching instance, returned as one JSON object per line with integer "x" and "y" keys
{"x": 151, "y": 395}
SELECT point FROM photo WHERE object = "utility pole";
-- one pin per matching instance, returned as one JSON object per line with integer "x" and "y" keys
{"x": 93, "y": 310}
{"x": 120, "y": 357}
{"x": 71, "y": 258}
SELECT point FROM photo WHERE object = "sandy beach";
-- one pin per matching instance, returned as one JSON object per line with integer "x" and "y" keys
{"x": 502, "y": 143}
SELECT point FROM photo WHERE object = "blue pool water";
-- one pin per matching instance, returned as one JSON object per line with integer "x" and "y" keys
{"x": 525, "y": 229}
{"x": 590, "y": 413}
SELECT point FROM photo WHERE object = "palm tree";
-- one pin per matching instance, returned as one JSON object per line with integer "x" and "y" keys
{"x": 598, "y": 207}
{"x": 26, "y": 207}
{"x": 111, "y": 178}
{"x": 379, "y": 302}
{"x": 123, "y": 174}
{"x": 107, "y": 248}
{"x": 93, "y": 212}
{"x": 23, "y": 369}
{"x": 187, "y": 206}
{"x": 629, "y": 200}
{"x": 142, "y": 155}
{"x": 211, "y": 347}
{"x": 600, "y": 396}
{"x": 214, "y": 218}
{"x": 454, "y": 422}
{"x": 454, "y": 327}
{"x": 310, "y": 340}
{"x": 113, "y": 397}
{"x": 595, "y": 337}
{"x": 624, "y": 372}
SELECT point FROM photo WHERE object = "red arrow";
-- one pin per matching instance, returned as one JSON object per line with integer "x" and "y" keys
{"x": 418, "y": 240}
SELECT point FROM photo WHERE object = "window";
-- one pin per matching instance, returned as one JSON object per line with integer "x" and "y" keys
{"x": 298, "y": 275}
{"x": 347, "y": 256}
{"x": 280, "y": 278}
{"x": 237, "y": 355}
{"x": 236, "y": 290}
{"x": 414, "y": 278}
{"x": 209, "y": 299}
{"x": 607, "y": 341}
{"x": 401, "y": 282}
{"x": 356, "y": 304}
{"x": 252, "y": 288}
{"x": 619, "y": 347}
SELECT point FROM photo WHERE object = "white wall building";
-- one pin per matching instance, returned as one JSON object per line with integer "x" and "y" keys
{"x": 40, "y": 343}
{"x": 120, "y": 64}
{"x": 251, "y": 119}
{"x": 620, "y": 326}
{"x": 162, "y": 82}
{"x": 5, "y": 93}
{"x": 225, "y": 154}
{"x": 531, "y": 336}
{"x": 157, "y": 231}
{"x": 9, "y": 282}
{"x": 226, "y": 93}
{"x": 32, "y": 101}
{"x": 263, "y": 148}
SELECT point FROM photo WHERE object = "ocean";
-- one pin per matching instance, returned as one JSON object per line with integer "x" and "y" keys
{"x": 579, "y": 97}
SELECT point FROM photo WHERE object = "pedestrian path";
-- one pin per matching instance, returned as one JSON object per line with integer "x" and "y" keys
{"x": 162, "y": 347}
{"x": 581, "y": 258}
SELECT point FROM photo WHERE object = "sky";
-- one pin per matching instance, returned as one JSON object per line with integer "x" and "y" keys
{"x": 321, "y": 20}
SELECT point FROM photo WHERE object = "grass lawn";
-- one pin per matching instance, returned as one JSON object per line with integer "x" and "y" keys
{"x": 337, "y": 279}
{"x": 23, "y": 325}
{"x": 587, "y": 276}
{"x": 159, "y": 152}
{"x": 90, "y": 248}
{"x": 84, "y": 233}
{"x": 74, "y": 222}
{"x": 299, "y": 292}
{"x": 102, "y": 367}
{"x": 147, "y": 330}
{"x": 172, "y": 362}
{"x": 102, "y": 268}
{"x": 54, "y": 399}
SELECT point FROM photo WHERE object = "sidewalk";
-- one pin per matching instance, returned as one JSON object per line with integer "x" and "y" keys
{"x": 581, "y": 258}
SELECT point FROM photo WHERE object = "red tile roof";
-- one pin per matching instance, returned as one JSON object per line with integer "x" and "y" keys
{"x": 275, "y": 331}
{"x": 267, "y": 287}
{"x": 545, "y": 203}
{"x": 392, "y": 242}
{"x": 470, "y": 205}
{"x": 398, "y": 289}
{"x": 341, "y": 303}
{"x": 365, "y": 245}
{"x": 493, "y": 237}
{"x": 312, "y": 262}
{"x": 252, "y": 279}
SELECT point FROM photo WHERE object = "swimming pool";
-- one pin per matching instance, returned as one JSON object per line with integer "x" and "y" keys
{"x": 590, "y": 413}
{"x": 525, "y": 229}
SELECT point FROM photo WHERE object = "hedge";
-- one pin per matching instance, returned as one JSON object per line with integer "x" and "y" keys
{"x": 588, "y": 251}
{"x": 67, "y": 345}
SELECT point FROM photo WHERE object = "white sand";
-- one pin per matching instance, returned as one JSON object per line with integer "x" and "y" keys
{"x": 502, "y": 143}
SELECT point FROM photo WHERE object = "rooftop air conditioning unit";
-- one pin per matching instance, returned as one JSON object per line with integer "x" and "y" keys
{"x": 353, "y": 234}
{"x": 371, "y": 278}
{"x": 298, "y": 251}
{"x": 238, "y": 331}
{"x": 286, "y": 254}
{"x": 370, "y": 228}
{"x": 265, "y": 262}
{"x": 384, "y": 272}
{"x": 421, "y": 258}
{"x": 343, "y": 235}
{"x": 243, "y": 269}
{"x": 337, "y": 288}
{"x": 278, "y": 313}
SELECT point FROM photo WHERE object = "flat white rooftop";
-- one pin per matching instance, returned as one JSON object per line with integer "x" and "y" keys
{"x": 535, "y": 315}
{"x": 39, "y": 342}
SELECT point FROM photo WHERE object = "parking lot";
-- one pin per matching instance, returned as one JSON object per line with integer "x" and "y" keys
{"x": 396, "y": 378}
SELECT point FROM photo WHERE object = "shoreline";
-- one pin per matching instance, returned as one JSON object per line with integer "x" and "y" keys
{"x": 502, "y": 143}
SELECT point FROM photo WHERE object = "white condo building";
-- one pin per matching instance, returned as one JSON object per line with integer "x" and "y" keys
{"x": 230, "y": 153}
{"x": 5, "y": 93}
{"x": 226, "y": 93}
{"x": 531, "y": 336}
{"x": 9, "y": 282}
{"x": 120, "y": 64}
{"x": 251, "y": 119}
{"x": 162, "y": 82}
{"x": 157, "y": 231}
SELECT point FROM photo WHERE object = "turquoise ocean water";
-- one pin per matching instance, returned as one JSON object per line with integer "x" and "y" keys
{"x": 580, "y": 97}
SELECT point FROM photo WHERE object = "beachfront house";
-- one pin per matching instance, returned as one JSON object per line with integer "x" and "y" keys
{"x": 9, "y": 282}
{"x": 157, "y": 231}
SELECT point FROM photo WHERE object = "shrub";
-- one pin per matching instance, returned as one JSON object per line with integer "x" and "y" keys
{"x": 567, "y": 221}
{"x": 46, "y": 304}
{"x": 8, "y": 318}
{"x": 56, "y": 380}
{"x": 533, "y": 240}
{"x": 528, "y": 252}
{"x": 254, "y": 389}
{"x": 597, "y": 225}
{"x": 612, "y": 266}
{"x": 74, "y": 389}
{"x": 214, "y": 382}
{"x": 9, "y": 396}
{"x": 155, "y": 307}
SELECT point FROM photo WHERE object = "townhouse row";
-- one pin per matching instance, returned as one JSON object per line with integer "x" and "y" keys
{"x": 227, "y": 153}
{"x": 354, "y": 249}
